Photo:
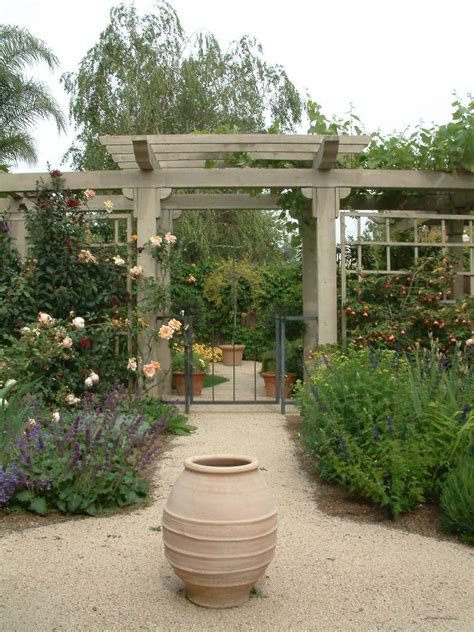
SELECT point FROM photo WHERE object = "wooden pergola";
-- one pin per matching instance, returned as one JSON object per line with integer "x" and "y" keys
{"x": 153, "y": 167}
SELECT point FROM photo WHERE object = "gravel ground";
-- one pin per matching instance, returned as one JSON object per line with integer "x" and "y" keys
{"x": 328, "y": 574}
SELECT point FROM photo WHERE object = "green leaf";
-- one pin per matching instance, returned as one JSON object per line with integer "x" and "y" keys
{"x": 39, "y": 506}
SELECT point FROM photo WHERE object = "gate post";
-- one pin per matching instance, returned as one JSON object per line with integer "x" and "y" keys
{"x": 147, "y": 209}
{"x": 326, "y": 209}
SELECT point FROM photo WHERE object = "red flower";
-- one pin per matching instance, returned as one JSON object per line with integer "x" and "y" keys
{"x": 72, "y": 203}
{"x": 56, "y": 173}
{"x": 85, "y": 343}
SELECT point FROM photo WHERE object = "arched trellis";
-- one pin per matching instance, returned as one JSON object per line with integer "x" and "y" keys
{"x": 153, "y": 166}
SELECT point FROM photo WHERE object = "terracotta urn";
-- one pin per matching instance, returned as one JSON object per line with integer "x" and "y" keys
{"x": 269, "y": 379}
{"x": 179, "y": 381}
{"x": 232, "y": 354}
{"x": 219, "y": 529}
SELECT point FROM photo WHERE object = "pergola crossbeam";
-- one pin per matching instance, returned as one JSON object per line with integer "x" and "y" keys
{"x": 326, "y": 157}
{"x": 143, "y": 155}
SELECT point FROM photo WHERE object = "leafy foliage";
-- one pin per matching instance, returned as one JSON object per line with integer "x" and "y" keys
{"x": 457, "y": 499}
{"x": 146, "y": 76}
{"x": 401, "y": 311}
{"x": 89, "y": 461}
{"x": 23, "y": 101}
{"x": 388, "y": 428}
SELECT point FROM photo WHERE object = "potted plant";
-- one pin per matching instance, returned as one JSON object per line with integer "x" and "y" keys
{"x": 200, "y": 367}
{"x": 293, "y": 370}
{"x": 232, "y": 354}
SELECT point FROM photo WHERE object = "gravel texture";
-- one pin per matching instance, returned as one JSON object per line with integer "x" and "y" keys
{"x": 328, "y": 574}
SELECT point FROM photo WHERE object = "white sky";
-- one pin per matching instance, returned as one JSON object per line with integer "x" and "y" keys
{"x": 397, "y": 61}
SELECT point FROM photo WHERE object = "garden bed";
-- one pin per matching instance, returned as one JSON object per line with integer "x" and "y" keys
{"x": 334, "y": 501}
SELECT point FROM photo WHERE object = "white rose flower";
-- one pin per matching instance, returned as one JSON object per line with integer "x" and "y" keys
{"x": 156, "y": 240}
{"x": 55, "y": 417}
{"x": 67, "y": 342}
{"x": 46, "y": 319}
{"x": 79, "y": 323}
{"x": 71, "y": 399}
{"x": 88, "y": 383}
{"x": 136, "y": 271}
{"x": 94, "y": 377}
{"x": 118, "y": 260}
{"x": 25, "y": 330}
{"x": 132, "y": 364}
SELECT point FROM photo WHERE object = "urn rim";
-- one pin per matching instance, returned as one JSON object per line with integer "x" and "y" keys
{"x": 221, "y": 463}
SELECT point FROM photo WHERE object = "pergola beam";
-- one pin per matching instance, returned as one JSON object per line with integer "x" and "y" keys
{"x": 245, "y": 178}
{"x": 143, "y": 154}
{"x": 326, "y": 157}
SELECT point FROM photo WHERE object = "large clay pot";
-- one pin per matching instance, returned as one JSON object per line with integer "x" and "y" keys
{"x": 219, "y": 529}
{"x": 232, "y": 354}
{"x": 179, "y": 381}
{"x": 269, "y": 379}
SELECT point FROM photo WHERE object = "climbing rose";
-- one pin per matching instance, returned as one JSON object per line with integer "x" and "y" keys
{"x": 170, "y": 238}
{"x": 72, "y": 203}
{"x": 85, "y": 343}
{"x": 150, "y": 369}
{"x": 46, "y": 319}
{"x": 132, "y": 364}
{"x": 174, "y": 324}
{"x": 90, "y": 194}
{"x": 79, "y": 322}
{"x": 136, "y": 271}
{"x": 118, "y": 260}
{"x": 166, "y": 332}
{"x": 56, "y": 173}
{"x": 71, "y": 399}
{"x": 94, "y": 377}
{"x": 25, "y": 330}
{"x": 67, "y": 342}
{"x": 156, "y": 240}
{"x": 88, "y": 382}
{"x": 87, "y": 256}
{"x": 55, "y": 417}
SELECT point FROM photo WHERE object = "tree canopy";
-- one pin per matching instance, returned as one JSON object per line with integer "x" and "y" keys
{"x": 145, "y": 76}
{"x": 23, "y": 100}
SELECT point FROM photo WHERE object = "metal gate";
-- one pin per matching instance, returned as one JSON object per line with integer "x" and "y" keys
{"x": 257, "y": 383}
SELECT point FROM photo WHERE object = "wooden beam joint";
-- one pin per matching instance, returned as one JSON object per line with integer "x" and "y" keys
{"x": 326, "y": 157}
{"x": 144, "y": 155}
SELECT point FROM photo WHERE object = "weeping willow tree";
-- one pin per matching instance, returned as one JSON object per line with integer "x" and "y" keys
{"x": 146, "y": 76}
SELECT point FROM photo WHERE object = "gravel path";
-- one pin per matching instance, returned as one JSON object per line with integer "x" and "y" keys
{"x": 109, "y": 574}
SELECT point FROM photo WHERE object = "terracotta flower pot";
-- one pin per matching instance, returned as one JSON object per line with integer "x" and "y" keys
{"x": 219, "y": 529}
{"x": 180, "y": 382}
{"x": 232, "y": 354}
{"x": 269, "y": 379}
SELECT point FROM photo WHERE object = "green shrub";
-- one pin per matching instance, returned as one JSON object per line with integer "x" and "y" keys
{"x": 457, "y": 500}
{"x": 199, "y": 362}
{"x": 384, "y": 427}
{"x": 90, "y": 460}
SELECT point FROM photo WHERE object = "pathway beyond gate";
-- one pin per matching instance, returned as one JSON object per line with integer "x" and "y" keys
{"x": 109, "y": 574}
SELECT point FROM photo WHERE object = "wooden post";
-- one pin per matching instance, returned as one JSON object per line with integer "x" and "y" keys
{"x": 308, "y": 232}
{"x": 454, "y": 231}
{"x": 147, "y": 208}
{"x": 325, "y": 208}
